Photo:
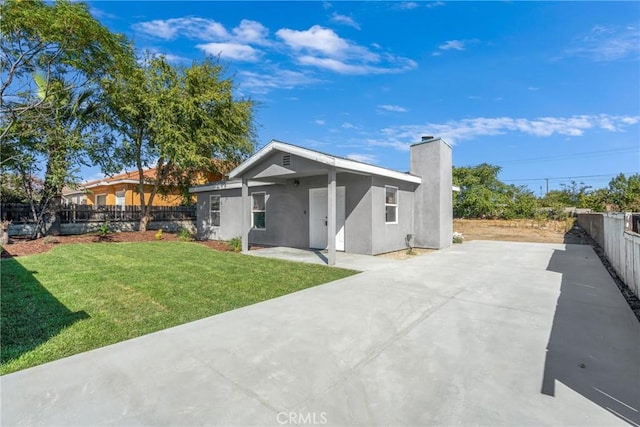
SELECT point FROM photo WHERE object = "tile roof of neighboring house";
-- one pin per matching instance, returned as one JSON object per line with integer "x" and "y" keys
{"x": 133, "y": 177}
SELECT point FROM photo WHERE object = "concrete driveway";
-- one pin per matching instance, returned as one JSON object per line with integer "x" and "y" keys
{"x": 484, "y": 333}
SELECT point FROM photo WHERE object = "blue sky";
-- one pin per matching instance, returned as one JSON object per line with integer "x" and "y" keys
{"x": 543, "y": 89}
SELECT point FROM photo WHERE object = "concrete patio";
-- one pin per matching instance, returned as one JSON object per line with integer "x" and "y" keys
{"x": 343, "y": 260}
{"x": 484, "y": 333}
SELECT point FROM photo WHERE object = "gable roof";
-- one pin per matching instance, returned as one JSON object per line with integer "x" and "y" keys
{"x": 317, "y": 156}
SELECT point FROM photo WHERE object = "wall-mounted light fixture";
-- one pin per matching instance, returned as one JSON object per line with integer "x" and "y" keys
{"x": 296, "y": 182}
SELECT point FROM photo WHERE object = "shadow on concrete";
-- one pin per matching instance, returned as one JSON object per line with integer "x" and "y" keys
{"x": 594, "y": 345}
{"x": 30, "y": 315}
{"x": 322, "y": 256}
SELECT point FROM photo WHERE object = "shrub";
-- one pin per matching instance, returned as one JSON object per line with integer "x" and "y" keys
{"x": 235, "y": 244}
{"x": 103, "y": 231}
{"x": 159, "y": 234}
{"x": 185, "y": 235}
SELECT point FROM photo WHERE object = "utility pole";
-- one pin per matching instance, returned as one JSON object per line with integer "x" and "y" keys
{"x": 547, "y": 179}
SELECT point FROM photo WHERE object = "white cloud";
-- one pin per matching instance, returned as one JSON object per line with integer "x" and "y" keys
{"x": 235, "y": 51}
{"x": 533, "y": 88}
{"x": 347, "y": 125}
{"x": 394, "y": 108}
{"x": 356, "y": 69}
{"x": 452, "y": 44}
{"x": 191, "y": 27}
{"x": 318, "y": 46}
{"x": 235, "y": 45}
{"x": 364, "y": 158}
{"x": 323, "y": 48}
{"x": 276, "y": 79}
{"x": 473, "y": 97}
{"x": 251, "y": 32}
{"x": 603, "y": 44}
{"x": 432, "y": 4}
{"x": 344, "y": 20}
{"x": 454, "y": 131}
{"x": 316, "y": 39}
{"x": 319, "y": 122}
{"x": 407, "y": 5}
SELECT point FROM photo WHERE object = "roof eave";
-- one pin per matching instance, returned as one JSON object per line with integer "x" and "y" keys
{"x": 337, "y": 162}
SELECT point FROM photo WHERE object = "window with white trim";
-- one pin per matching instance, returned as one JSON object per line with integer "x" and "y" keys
{"x": 391, "y": 204}
{"x": 214, "y": 211}
{"x": 258, "y": 211}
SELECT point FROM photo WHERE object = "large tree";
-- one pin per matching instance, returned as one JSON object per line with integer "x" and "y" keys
{"x": 178, "y": 120}
{"x": 483, "y": 195}
{"x": 54, "y": 57}
{"x": 624, "y": 193}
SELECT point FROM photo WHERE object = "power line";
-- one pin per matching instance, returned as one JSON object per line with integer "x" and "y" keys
{"x": 572, "y": 156}
{"x": 570, "y": 177}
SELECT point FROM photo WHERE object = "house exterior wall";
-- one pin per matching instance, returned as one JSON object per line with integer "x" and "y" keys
{"x": 273, "y": 166}
{"x": 132, "y": 197}
{"x": 391, "y": 237}
{"x": 433, "y": 209}
{"x": 287, "y": 213}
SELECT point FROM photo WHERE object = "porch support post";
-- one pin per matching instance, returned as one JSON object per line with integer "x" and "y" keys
{"x": 246, "y": 213}
{"x": 331, "y": 216}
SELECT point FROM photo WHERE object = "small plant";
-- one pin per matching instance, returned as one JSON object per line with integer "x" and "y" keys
{"x": 185, "y": 235}
{"x": 235, "y": 244}
{"x": 457, "y": 238}
{"x": 159, "y": 234}
{"x": 104, "y": 232}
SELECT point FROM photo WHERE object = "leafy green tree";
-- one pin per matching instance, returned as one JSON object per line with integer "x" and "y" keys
{"x": 483, "y": 195}
{"x": 596, "y": 200}
{"x": 176, "y": 119}
{"x": 16, "y": 188}
{"x": 624, "y": 193}
{"x": 53, "y": 59}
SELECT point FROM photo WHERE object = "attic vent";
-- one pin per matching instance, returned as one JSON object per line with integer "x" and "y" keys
{"x": 286, "y": 160}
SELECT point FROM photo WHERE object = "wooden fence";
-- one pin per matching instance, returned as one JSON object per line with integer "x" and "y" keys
{"x": 21, "y": 213}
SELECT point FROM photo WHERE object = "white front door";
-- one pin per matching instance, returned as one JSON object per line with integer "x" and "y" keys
{"x": 318, "y": 209}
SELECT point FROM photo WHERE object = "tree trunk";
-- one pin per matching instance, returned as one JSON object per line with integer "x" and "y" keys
{"x": 51, "y": 217}
{"x": 144, "y": 221}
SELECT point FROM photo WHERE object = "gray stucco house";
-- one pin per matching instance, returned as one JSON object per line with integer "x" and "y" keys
{"x": 285, "y": 195}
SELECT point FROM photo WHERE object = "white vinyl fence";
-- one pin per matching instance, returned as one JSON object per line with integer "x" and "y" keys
{"x": 622, "y": 246}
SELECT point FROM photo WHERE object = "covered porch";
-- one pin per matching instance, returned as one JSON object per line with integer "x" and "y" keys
{"x": 328, "y": 198}
{"x": 322, "y": 209}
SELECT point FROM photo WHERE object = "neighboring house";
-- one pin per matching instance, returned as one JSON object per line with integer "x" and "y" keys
{"x": 285, "y": 195}
{"x": 123, "y": 190}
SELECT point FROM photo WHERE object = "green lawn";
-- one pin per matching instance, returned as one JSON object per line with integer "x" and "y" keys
{"x": 83, "y": 296}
